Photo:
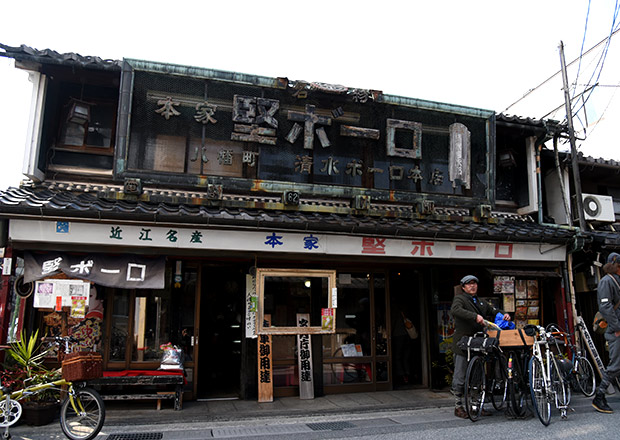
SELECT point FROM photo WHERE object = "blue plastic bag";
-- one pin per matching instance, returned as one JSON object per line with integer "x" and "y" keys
{"x": 503, "y": 324}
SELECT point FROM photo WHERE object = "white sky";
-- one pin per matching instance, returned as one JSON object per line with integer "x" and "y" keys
{"x": 477, "y": 53}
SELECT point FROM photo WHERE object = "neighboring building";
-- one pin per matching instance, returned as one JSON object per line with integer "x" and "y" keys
{"x": 195, "y": 185}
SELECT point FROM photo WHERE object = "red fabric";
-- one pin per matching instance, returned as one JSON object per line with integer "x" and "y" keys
{"x": 133, "y": 373}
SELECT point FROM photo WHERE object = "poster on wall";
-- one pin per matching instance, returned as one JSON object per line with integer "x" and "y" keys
{"x": 44, "y": 295}
{"x": 503, "y": 285}
{"x": 521, "y": 289}
{"x": 509, "y": 303}
{"x": 51, "y": 293}
{"x": 327, "y": 319}
{"x": 445, "y": 326}
{"x": 532, "y": 289}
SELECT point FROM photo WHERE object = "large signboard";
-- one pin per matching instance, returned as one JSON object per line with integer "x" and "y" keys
{"x": 269, "y": 241}
{"x": 206, "y": 123}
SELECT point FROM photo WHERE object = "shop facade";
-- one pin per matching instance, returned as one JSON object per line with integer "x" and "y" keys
{"x": 210, "y": 210}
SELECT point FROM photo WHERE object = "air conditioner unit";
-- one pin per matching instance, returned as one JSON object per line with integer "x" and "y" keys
{"x": 598, "y": 208}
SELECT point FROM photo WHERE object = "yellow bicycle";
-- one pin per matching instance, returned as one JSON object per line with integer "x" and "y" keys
{"x": 82, "y": 413}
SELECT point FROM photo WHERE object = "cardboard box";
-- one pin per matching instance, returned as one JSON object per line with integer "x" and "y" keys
{"x": 511, "y": 338}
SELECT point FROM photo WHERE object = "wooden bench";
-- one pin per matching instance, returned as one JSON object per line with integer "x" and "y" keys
{"x": 152, "y": 380}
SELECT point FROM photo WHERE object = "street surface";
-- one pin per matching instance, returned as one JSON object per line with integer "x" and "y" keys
{"x": 431, "y": 423}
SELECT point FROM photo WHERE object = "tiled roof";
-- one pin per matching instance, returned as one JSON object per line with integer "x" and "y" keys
{"x": 49, "y": 56}
{"x": 598, "y": 161}
{"x": 54, "y": 203}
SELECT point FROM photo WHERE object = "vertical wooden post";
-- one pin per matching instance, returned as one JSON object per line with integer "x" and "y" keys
{"x": 304, "y": 359}
{"x": 265, "y": 375}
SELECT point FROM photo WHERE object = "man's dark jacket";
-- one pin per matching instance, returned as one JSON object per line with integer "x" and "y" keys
{"x": 608, "y": 296}
{"x": 464, "y": 313}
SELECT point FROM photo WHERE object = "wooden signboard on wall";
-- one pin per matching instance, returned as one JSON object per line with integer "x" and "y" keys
{"x": 304, "y": 359}
{"x": 265, "y": 374}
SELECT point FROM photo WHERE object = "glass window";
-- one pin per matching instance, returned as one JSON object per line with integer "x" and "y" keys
{"x": 119, "y": 326}
{"x": 151, "y": 326}
{"x": 352, "y": 336}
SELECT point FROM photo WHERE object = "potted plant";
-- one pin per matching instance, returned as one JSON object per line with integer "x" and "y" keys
{"x": 28, "y": 369}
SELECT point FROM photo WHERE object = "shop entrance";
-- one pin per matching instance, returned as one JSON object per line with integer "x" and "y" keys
{"x": 221, "y": 318}
{"x": 407, "y": 356}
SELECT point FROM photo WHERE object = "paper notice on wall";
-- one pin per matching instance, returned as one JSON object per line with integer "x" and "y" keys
{"x": 44, "y": 295}
{"x": 47, "y": 291}
{"x": 327, "y": 319}
{"x": 78, "y": 307}
{"x": 334, "y": 297}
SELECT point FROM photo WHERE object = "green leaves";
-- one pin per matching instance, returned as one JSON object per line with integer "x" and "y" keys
{"x": 26, "y": 352}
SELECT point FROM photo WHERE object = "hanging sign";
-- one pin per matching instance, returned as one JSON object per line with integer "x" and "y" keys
{"x": 251, "y": 300}
{"x": 122, "y": 271}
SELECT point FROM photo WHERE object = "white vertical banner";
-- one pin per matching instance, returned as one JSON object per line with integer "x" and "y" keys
{"x": 250, "y": 306}
{"x": 304, "y": 359}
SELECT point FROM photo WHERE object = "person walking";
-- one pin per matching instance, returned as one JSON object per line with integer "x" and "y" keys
{"x": 608, "y": 296}
{"x": 469, "y": 313}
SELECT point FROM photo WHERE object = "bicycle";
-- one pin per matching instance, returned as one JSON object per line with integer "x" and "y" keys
{"x": 546, "y": 379}
{"x": 82, "y": 413}
{"x": 487, "y": 365}
{"x": 518, "y": 383}
{"x": 580, "y": 372}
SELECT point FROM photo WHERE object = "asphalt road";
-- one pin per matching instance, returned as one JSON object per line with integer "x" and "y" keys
{"x": 436, "y": 423}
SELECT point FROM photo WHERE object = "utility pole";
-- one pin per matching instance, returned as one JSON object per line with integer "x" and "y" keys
{"x": 571, "y": 137}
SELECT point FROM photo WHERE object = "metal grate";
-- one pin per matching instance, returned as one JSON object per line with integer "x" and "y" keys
{"x": 137, "y": 436}
{"x": 330, "y": 426}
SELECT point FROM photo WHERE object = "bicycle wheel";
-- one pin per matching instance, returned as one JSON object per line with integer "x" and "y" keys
{"x": 83, "y": 419}
{"x": 499, "y": 384}
{"x": 10, "y": 412}
{"x": 517, "y": 387}
{"x": 538, "y": 389}
{"x": 559, "y": 386}
{"x": 585, "y": 376}
{"x": 475, "y": 388}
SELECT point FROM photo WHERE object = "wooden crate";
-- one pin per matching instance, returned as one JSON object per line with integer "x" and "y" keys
{"x": 511, "y": 338}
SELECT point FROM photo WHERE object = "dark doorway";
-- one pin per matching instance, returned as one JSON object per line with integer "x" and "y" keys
{"x": 406, "y": 352}
{"x": 221, "y": 318}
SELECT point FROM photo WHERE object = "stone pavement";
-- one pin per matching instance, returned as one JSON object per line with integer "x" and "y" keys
{"x": 226, "y": 415}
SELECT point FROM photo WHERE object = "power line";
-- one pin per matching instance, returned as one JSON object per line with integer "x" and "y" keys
{"x": 559, "y": 71}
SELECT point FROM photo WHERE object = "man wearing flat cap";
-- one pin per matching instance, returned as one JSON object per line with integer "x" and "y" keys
{"x": 608, "y": 296}
{"x": 469, "y": 313}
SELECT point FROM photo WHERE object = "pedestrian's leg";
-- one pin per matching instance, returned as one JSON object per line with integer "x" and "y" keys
{"x": 458, "y": 385}
{"x": 611, "y": 372}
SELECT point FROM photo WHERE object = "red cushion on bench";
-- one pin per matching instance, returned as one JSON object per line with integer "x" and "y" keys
{"x": 132, "y": 373}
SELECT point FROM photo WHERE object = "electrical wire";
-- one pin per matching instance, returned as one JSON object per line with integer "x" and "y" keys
{"x": 583, "y": 42}
{"x": 598, "y": 69}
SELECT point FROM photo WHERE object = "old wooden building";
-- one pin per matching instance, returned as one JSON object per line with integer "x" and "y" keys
{"x": 212, "y": 209}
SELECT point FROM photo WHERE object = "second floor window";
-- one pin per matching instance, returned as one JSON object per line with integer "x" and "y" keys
{"x": 88, "y": 125}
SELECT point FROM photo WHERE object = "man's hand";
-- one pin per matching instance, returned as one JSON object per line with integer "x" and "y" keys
{"x": 479, "y": 319}
{"x": 506, "y": 317}
{"x": 617, "y": 334}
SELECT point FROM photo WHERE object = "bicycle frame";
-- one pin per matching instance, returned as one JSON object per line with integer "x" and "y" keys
{"x": 56, "y": 384}
{"x": 548, "y": 361}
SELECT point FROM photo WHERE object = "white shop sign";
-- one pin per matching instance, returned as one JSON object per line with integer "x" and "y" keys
{"x": 123, "y": 235}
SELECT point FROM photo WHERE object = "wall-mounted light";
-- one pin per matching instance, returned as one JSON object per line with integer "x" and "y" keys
{"x": 307, "y": 283}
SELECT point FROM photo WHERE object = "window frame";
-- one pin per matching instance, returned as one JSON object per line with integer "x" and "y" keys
{"x": 260, "y": 310}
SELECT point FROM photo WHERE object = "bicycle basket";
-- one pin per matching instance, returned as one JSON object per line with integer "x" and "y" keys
{"x": 479, "y": 344}
{"x": 82, "y": 365}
